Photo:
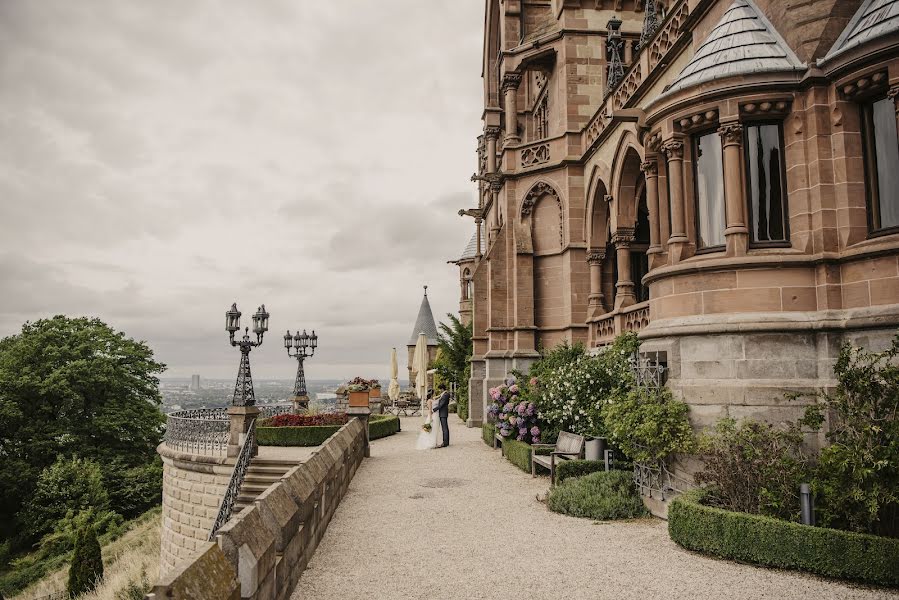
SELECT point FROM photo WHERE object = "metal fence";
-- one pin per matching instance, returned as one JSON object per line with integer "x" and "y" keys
{"x": 202, "y": 431}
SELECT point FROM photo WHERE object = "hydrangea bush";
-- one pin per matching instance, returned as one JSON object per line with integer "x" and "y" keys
{"x": 512, "y": 415}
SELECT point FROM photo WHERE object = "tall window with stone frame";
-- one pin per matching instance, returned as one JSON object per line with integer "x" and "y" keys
{"x": 766, "y": 184}
{"x": 541, "y": 117}
{"x": 881, "y": 152}
{"x": 708, "y": 180}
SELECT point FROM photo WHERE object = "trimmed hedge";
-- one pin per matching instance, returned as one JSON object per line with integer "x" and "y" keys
{"x": 518, "y": 453}
{"x": 577, "y": 468}
{"x": 776, "y": 543}
{"x": 382, "y": 425}
{"x": 315, "y": 435}
{"x": 487, "y": 431}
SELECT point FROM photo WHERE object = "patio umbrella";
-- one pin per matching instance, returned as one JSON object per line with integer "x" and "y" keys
{"x": 420, "y": 366}
{"x": 393, "y": 392}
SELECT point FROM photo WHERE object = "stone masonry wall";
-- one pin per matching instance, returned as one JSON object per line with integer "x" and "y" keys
{"x": 261, "y": 553}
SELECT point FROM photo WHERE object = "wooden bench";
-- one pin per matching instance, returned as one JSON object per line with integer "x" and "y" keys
{"x": 498, "y": 440}
{"x": 569, "y": 445}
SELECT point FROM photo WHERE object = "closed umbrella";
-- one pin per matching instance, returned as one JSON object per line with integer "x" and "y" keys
{"x": 420, "y": 366}
{"x": 393, "y": 391}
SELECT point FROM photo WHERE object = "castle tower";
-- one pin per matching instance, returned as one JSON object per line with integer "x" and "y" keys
{"x": 424, "y": 323}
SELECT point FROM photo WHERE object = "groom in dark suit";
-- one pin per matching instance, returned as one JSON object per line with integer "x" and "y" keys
{"x": 442, "y": 407}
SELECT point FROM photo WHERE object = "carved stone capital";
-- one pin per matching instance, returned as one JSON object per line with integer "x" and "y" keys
{"x": 650, "y": 167}
{"x": 511, "y": 81}
{"x": 731, "y": 133}
{"x": 492, "y": 132}
{"x": 623, "y": 237}
{"x": 595, "y": 257}
{"x": 674, "y": 149}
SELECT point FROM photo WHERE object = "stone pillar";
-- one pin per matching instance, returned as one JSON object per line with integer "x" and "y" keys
{"x": 510, "y": 93}
{"x": 240, "y": 417}
{"x": 736, "y": 234}
{"x": 362, "y": 413}
{"x": 492, "y": 134}
{"x": 622, "y": 239}
{"x": 651, "y": 171}
{"x": 495, "y": 187}
{"x": 595, "y": 299}
{"x": 674, "y": 152}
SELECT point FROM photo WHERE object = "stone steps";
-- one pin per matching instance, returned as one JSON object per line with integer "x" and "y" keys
{"x": 261, "y": 474}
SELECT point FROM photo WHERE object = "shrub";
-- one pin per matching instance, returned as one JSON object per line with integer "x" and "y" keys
{"x": 602, "y": 496}
{"x": 292, "y": 420}
{"x": 86, "y": 570}
{"x": 295, "y": 436}
{"x": 382, "y": 425}
{"x": 518, "y": 453}
{"x": 754, "y": 468}
{"x": 777, "y": 543}
{"x": 858, "y": 473}
{"x": 513, "y": 416}
{"x": 488, "y": 430}
{"x": 648, "y": 424}
{"x": 566, "y": 469}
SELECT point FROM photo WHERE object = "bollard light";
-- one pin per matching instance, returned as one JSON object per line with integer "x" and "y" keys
{"x": 806, "y": 504}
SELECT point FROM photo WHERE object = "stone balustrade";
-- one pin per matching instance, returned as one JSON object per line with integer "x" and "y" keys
{"x": 606, "y": 327}
{"x": 261, "y": 552}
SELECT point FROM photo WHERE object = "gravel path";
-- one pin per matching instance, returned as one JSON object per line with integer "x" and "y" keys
{"x": 460, "y": 523}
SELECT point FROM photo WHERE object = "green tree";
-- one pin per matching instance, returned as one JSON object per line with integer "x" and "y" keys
{"x": 86, "y": 569}
{"x": 68, "y": 485}
{"x": 454, "y": 340}
{"x": 73, "y": 387}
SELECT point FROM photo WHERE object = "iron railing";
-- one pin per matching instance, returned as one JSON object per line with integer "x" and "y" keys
{"x": 237, "y": 477}
{"x": 648, "y": 369}
{"x": 202, "y": 431}
{"x": 271, "y": 410}
{"x": 657, "y": 479}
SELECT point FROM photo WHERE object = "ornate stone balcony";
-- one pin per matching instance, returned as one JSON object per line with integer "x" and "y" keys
{"x": 605, "y": 328}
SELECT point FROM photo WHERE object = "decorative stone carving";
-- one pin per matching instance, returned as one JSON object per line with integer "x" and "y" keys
{"x": 623, "y": 237}
{"x": 540, "y": 189}
{"x": 627, "y": 87}
{"x": 596, "y": 126}
{"x": 667, "y": 35}
{"x": 492, "y": 132}
{"x": 650, "y": 23}
{"x": 615, "y": 50}
{"x": 892, "y": 93}
{"x": 864, "y": 85}
{"x": 595, "y": 257}
{"x": 731, "y": 133}
{"x": 772, "y": 108}
{"x": 674, "y": 150}
{"x": 511, "y": 81}
{"x": 650, "y": 168}
{"x": 703, "y": 119}
{"x": 535, "y": 155}
{"x": 654, "y": 141}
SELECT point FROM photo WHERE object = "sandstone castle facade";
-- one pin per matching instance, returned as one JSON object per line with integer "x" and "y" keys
{"x": 720, "y": 176}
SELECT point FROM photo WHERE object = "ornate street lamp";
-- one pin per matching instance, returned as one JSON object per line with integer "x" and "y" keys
{"x": 243, "y": 389}
{"x": 302, "y": 346}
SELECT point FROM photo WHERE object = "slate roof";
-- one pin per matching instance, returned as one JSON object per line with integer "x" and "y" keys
{"x": 873, "y": 19}
{"x": 424, "y": 323}
{"x": 471, "y": 249}
{"x": 743, "y": 42}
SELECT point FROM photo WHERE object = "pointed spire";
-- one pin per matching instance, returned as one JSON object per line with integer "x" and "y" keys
{"x": 424, "y": 323}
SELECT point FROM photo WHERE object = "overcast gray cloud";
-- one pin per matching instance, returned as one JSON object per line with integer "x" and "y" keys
{"x": 160, "y": 160}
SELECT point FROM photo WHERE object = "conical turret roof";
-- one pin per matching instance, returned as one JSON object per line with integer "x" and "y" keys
{"x": 873, "y": 19}
{"x": 424, "y": 323}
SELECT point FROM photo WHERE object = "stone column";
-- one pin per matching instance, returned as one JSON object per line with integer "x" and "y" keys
{"x": 240, "y": 417}
{"x": 736, "y": 234}
{"x": 510, "y": 93}
{"x": 674, "y": 152}
{"x": 622, "y": 239}
{"x": 495, "y": 187}
{"x": 651, "y": 171}
{"x": 595, "y": 299}
{"x": 492, "y": 134}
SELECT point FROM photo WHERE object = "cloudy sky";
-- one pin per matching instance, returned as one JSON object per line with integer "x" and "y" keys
{"x": 160, "y": 160}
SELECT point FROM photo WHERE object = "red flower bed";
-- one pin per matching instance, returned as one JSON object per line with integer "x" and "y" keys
{"x": 307, "y": 420}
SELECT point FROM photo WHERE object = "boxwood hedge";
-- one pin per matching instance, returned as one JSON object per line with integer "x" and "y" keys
{"x": 487, "y": 431}
{"x": 777, "y": 543}
{"x": 379, "y": 426}
{"x": 577, "y": 468}
{"x": 518, "y": 453}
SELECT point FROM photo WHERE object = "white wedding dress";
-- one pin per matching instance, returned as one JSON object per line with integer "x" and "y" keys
{"x": 427, "y": 440}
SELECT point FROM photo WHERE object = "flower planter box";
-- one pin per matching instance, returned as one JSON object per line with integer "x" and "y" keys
{"x": 359, "y": 399}
{"x": 374, "y": 393}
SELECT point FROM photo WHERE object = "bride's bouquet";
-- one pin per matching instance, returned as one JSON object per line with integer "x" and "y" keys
{"x": 426, "y": 427}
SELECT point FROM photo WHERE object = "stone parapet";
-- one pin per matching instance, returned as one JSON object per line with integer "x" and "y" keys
{"x": 261, "y": 552}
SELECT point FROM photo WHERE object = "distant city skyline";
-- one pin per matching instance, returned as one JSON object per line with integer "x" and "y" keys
{"x": 168, "y": 159}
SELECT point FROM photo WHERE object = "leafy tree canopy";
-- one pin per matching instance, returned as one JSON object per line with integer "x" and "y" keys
{"x": 73, "y": 387}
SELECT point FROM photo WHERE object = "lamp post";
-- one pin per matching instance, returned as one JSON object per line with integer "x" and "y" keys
{"x": 243, "y": 410}
{"x": 303, "y": 346}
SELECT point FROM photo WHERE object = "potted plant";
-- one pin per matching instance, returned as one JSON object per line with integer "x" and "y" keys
{"x": 374, "y": 390}
{"x": 358, "y": 390}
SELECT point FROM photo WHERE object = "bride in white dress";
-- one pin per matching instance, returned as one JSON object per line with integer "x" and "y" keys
{"x": 429, "y": 439}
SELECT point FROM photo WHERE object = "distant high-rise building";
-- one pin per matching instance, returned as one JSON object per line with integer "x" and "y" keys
{"x": 195, "y": 383}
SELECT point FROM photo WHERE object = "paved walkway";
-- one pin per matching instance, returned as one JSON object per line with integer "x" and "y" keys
{"x": 462, "y": 523}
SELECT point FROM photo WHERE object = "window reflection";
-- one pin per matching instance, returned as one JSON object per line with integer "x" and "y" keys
{"x": 709, "y": 175}
{"x": 883, "y": 164}
{"x": 764, "y": 158}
